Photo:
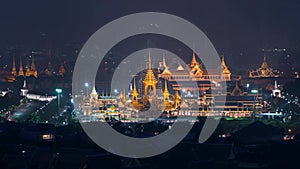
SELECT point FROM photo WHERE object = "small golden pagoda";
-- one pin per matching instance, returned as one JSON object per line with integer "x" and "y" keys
{"x": 21, "y": 71}
{"x": 14, "y": 70}
{"x": 226, "y": 74}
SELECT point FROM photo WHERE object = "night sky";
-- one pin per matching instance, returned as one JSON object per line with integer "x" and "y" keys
{"x": 238, "y": 28}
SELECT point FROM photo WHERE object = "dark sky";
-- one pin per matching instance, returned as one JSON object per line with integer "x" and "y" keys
{"x": 238, "y": 28}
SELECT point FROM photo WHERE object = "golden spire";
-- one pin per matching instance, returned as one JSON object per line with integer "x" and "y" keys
{"x": 150, "y": 80}
{"x": 177, "y": 99}
{"x": 28, "y": 70}
{"x": 134, "y": 94}
{"x": 149, "y": 61}
{"x": 21, "y": 71}
{"x": 166, "y": 91}
{"x": 265, "y": 64}
{"x": 225, "y": 72}
{"x": 134, "y": 85}
{"x": 194, "y": 60}
{"x": 166, "y": 70}
{"x": 33, "y": 68}
{"x": 94, "y": 94}
{"x": 14, "y": 70}
{"x": 166, "y": 96}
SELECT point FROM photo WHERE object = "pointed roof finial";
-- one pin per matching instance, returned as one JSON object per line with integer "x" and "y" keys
{"x": 134, "y": 85}
{"x": 94, "y": 89}
{"x": 194, "y": 60}
{"x": 21, "y": 71}
{"x": 149, "y": 61}
{"x": 164, "y": 61}
{"x": 265, "y": 63}
{"x": 14, "y": 70}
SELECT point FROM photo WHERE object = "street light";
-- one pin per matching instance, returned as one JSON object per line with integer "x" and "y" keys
{"x": 58, "y": 91}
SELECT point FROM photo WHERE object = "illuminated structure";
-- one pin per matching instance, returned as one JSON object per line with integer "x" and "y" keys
{"x": 178, "y": 100}
{"x": 162, "y": 102}
{"x": 264, "y": 71}
{"x": 34, "y": 71}
{"x": 150, "y": 80}
{"x": 31, "y": 70}
{"x": 196, "y": 73}
{"x": 14, "y": 70}
{"x": 276, "y": 92}
{"x": 21, "y": 71}
{"x": 99, "y": 106}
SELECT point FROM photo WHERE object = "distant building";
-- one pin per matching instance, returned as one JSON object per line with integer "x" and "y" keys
{"x": 264, "y": 71}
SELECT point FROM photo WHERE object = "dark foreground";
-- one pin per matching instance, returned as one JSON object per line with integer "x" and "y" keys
{"x": 25, "y": 146}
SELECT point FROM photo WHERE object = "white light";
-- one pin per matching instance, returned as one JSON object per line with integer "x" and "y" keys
{"x": 254, "y": 91}
{"x": 247, "y": 85}
{"x": 86, "y": 84}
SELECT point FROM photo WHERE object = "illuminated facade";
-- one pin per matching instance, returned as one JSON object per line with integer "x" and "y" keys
{"x": 264, "y": 71}
{"x": 178, "y": 100}
{"x": 30, "y": 69}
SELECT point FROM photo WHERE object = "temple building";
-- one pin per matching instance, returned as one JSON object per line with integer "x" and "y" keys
{"x": 264, "y": 71}
{"x": 21, "y": 71}
{"x": 30, "y": 69}
{"x": 196, "y": 73}
{"x": 173, "y": 99}
{"x": 162, "y": 99}
{"x": 99, "y": 106}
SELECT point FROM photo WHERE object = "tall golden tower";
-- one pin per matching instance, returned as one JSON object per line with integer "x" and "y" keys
{"x": 14, "y": 70}
{"x": 225, "y": 72}
{"x": 196, "y": 68}
{"x": 150, "y": 80}
{"x": 194, "y": 60}
{"x": 28, "y": 70}
{"x": 134, "y": 95}
{"x": 33, "y": 68}
{"x": 21, "y": 71}
{"x": 264, "y": 67}
{"x": 177, "y": 100}
{"x": 265, "y": 63}
{"x": 166, "y": 95}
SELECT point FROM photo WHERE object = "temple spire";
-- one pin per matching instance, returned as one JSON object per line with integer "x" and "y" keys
{"x": 33, "y": 68}
{"x": 150, "y": 80}
{"x": 194, "y": 60}
{"x": 14, "y": 70}
{"x": 149, "y": 61}
{"x": 225, "y": 70}
{"x": 265, "y": 63}
{"x": 134, "y": 94}
{"x": 134, "y": 85}
{"x": 28, "y": 70}
{"x": 166, "y": 96}
{"x": 21, "y": 71}
{"x": 166, "y": 87}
